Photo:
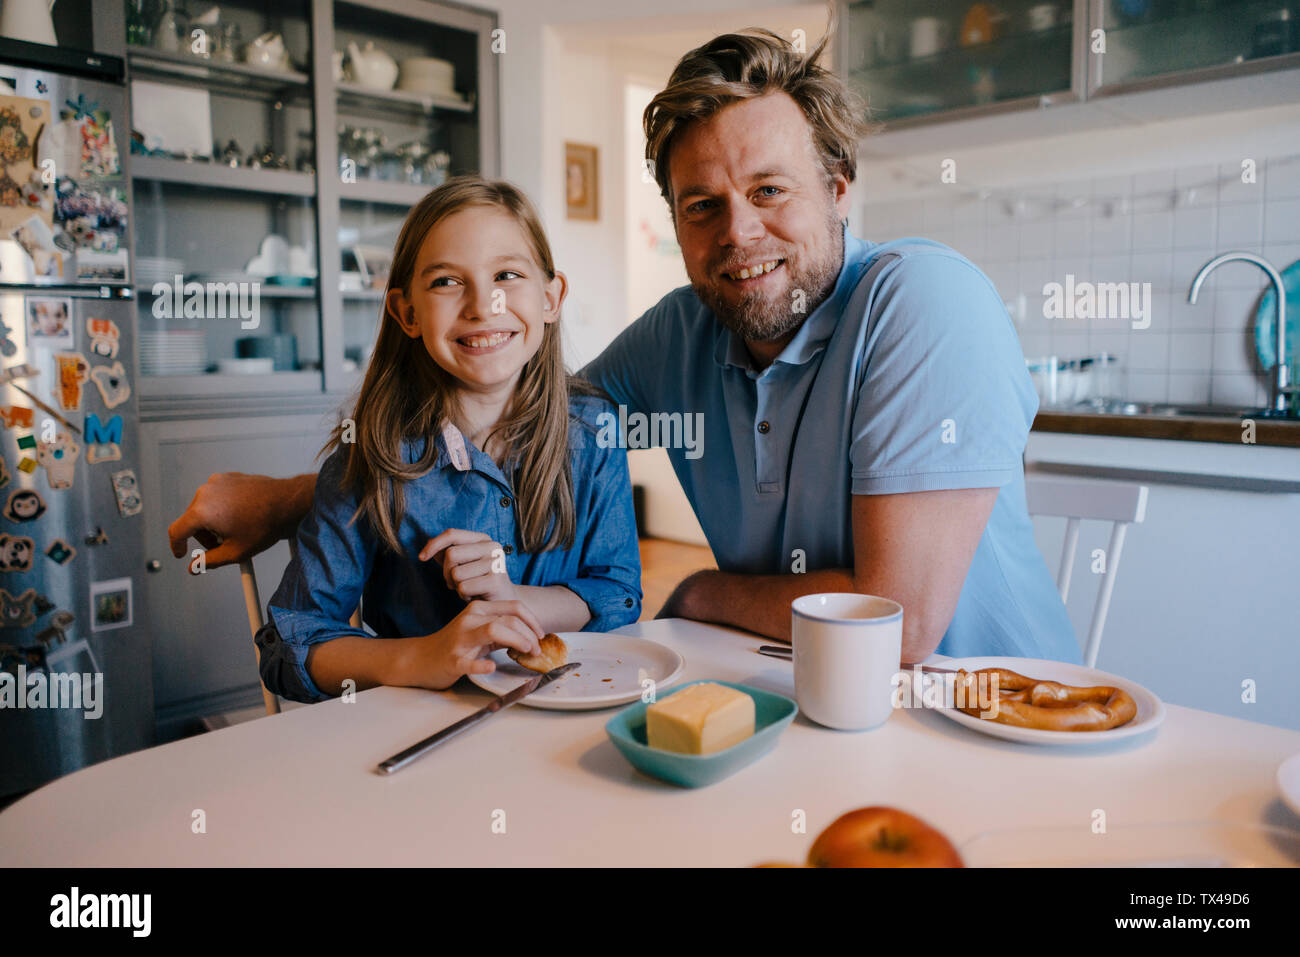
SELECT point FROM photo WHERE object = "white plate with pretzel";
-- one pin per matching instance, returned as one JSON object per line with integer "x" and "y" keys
{"x": 1057, "y": 703}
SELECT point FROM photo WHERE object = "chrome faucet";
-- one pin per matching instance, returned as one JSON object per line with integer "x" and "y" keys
{"x": 1282, "y": 388}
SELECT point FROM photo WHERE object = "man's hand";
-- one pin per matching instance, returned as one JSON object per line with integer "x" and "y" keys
{"x": 473, "y": 566}
{"x": 234, "y": 516}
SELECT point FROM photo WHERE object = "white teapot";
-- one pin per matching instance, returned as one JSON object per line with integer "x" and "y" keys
{"x": 371, "y": 67}
{"x": 267, "y": 51}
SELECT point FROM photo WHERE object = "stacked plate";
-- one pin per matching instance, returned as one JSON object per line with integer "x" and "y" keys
{"x": 152, "y": 269}
{"x": 173, "y": 352}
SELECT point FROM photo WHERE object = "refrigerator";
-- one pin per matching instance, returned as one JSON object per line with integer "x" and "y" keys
{"x": 75, "y": 669}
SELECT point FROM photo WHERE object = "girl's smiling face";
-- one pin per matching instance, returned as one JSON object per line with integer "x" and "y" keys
{"x": 479, "y": 299}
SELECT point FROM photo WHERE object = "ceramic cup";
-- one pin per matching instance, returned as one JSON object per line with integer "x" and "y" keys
{"x": 846, "y": 653}
{"x": 929, "y": 36}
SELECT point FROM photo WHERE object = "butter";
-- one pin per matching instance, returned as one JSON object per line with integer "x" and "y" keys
{"x": 701, "y": 719}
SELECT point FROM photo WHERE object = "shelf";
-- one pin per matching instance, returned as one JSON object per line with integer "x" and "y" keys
{"x": 366, "y": 98}
{"x": 382, "y": 191}
{"x": 167, "y": 387}
{"x": 239, "y": 77}
{"x": 280, "y": 182}
{"x": 363, "y": 295}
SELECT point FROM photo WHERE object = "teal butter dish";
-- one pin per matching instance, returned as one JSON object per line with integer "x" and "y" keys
{"x": 772, "y": 715}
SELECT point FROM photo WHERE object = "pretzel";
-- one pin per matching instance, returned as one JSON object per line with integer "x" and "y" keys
{"x": 1048, "y": 705}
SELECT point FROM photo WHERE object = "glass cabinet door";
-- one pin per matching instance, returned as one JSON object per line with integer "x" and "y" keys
{"x": 367, "y": 235}
{"x": 224, "y": 183}
{"x": 914, "y": 58}
{"x": 1147, "y": 39}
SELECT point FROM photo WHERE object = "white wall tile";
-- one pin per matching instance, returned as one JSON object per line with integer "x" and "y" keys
{"x": 1148, "y": 350}
{"x": 1282, "y": 255}
{"x": 1200, "y": 175}
{"x": 1240, "y": 389}
{"x": 1002, "y": 242}
{"x": 1146, "y": 386}
{"x": 969, "y": 241}
{"x": 1036, "y": 237}
{"x": 1072, "y": 235}
{"x": 1185, "y": 317}
{"x": 1194, "y": 226}
{"x": 1241, "y": 226}
{"x": 1233, "y": 190}
{"x": 1191, "y": 351}
{"x": 1282, "y": 221}
{"x": 1110, "y": 233}
{"x": 1234, "y": 352}
{"x": 1189, "y": 387}
{"x": 1153, "y": 230}
{"x": 1155, "y": 267}
{"x": 1234, "y": 309}
{"x": 1283, "y": 178}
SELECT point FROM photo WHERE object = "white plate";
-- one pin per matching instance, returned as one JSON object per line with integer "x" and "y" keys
{"x": 1288, "y": 782}
{"x": 622, "y": 659}
{"x": 1150, "y": 709}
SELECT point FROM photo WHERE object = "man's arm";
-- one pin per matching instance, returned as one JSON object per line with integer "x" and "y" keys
{"x": 235, "y": 516}
{"x": 913, "y": 547}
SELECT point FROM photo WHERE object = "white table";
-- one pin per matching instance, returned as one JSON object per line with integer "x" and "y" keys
{"x": 299, "y": 788}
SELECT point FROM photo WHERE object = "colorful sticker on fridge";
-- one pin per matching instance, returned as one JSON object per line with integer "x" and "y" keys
{"x": 17, "y": 416}
{"x": 4, "y": 473}
{"x": 74, "y": 370}
{"x": 27, "y": 465}
{"x": 43, "y": 605}
{"x": 110, "y": 604}
{"x": 127, "y": 490}
{"x": 49, "y": 322}
{"x": 36, "y": 237}
{"x": 21, "y": 122}
{"x": 57, "y": 632}
{"x": 104, "y": 335}
{"x": 27, "y": 441}
{"x": 16, "y": 553}
{"x": 103, "y": 440}
{"x": 98, "y": 537}
{"x": 16, "y": 612}
{"x": 24, "y": 505}
{"x": 60, "y": 552}
{"x": 7, "y": 346}
{"x": 113, "y": 386}
{"x": 23, "y": 371}
{"x": 59, "y": 459}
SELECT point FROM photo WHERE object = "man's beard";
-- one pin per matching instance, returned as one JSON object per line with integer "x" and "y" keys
{"x": 757, "y": 317}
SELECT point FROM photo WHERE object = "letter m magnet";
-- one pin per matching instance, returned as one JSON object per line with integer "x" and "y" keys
{"x": 99, "y": 433}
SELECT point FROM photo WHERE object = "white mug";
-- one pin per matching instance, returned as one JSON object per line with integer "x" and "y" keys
{"x": 846, "y": 653}
{"x": 929, "y": 36}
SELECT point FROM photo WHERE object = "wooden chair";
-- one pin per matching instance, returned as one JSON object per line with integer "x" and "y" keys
{"x": 1121, "y": 503}
{"x": 253, "y": 604}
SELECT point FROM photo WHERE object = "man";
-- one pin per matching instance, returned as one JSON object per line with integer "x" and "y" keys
{"x": 865, "y": 405}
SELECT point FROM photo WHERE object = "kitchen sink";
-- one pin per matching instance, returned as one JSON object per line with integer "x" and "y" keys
{"x": 1121, "y": 407}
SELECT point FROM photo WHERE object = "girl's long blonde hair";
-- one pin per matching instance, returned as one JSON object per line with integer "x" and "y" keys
{"x": 406, "y": 395}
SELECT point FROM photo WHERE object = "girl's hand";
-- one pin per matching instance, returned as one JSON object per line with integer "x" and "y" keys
{"x": 473, "y": 566}
{"x": 436, "y": 661}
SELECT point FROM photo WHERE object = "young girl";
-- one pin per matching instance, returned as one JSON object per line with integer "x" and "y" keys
{"x": 468, "y": 501}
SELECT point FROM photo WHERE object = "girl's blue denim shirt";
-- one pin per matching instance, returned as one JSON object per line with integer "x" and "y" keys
{"x": 338, "y": 561}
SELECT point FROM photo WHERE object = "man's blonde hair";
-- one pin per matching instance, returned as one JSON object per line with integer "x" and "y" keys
{"x": 752, "y": 63}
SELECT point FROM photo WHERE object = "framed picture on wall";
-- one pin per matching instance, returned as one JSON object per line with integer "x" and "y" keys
{"x": 580, "y": 181}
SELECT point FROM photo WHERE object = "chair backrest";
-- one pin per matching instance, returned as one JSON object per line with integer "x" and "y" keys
{"x": 1121, "y": 503}
{"x": 254, "y": 605}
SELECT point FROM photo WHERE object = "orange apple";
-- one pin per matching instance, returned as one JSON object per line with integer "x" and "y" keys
{"x": 882, "y": 837}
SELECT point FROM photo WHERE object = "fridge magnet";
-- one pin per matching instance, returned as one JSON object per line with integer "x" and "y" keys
{"x": 27, "y": 465}
{"x": 127, "y": 490}
{"x": 98, "y": 537}
{"x": 95, "y": 266}
{"x": 43, "y": 605}
{"x": 17, "y": 416}
{"x": 45, "y": 408}
{"x": 110, "y": 604}
{"x": 23, "y": 371}
{"x": 57, "y": 632}
{"x": 27, "y": 441}
{"x": 7, "y": 346}
{"x": 60, "y": 552}
{"x": 74, "y": 370}
{"x": 59, "y": 459}
{"x": 4, "y": 473}
{"x": 113, "y": 386}
{"x": 16, "y": 612}
{"x": 104, "y": 335}
{"x": 24, "y": 505}
{"x": 21, "y": 121}
{"x": 103, "y": 440}
{"x": 49, "y": 322}
{"x": 16, "y": 553}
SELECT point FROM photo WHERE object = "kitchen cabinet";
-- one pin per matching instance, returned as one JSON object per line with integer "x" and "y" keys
{"x": 920, "y": 62}
{"x": 204, "y": 659}
{"x": 315, "y": 167}
{"x": 1204, "y": 607}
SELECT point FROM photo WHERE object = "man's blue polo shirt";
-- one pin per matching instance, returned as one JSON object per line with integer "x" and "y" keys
{"x": 908, "y": 378}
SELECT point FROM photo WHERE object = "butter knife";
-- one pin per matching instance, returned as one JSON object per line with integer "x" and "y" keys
{"x": 421, "y": 748}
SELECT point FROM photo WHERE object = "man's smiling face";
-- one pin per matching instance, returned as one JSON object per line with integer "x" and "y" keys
{"x": 756, "y": 219}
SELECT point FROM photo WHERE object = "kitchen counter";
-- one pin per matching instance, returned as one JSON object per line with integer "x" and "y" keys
{"x": 1187, "y": 428}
